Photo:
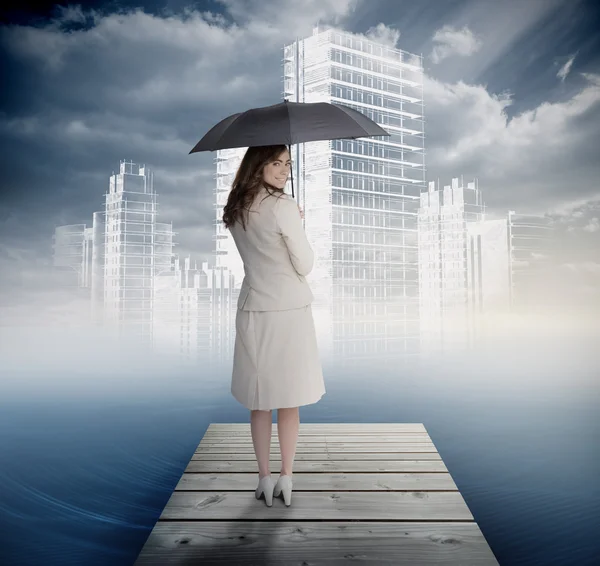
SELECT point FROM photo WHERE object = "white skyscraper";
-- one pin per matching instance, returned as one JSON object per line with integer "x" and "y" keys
{"x": 464, "y": 266}
{"x": 488, "y": 274}
{"x": 192, "y": 313}
{"x": 136, "y": 249}
{"x": 361, "y": 196}
{"x": 72, "y": 254}
{"x": 530, "y": 238}
{"x": 443, "y": 267}
{"x": 227, "y": 256}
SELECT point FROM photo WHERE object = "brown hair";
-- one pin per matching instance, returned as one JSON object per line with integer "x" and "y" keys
{"x": 248, "y": 181}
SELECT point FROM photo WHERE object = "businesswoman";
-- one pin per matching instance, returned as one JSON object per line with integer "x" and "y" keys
{"x": 276, "y": 361}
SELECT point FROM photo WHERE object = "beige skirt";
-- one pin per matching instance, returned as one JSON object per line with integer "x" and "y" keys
{"x": 276, "y": 360}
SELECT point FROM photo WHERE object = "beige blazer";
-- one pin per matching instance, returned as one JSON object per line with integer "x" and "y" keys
{"x": 276, "y": 254}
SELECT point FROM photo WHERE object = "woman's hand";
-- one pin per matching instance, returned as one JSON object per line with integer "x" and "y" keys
{"x": 301, "y": 212}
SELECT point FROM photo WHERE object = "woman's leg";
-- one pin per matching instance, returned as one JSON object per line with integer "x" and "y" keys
{"x": 288, "y": 424}
{"x": 261, "y": 425}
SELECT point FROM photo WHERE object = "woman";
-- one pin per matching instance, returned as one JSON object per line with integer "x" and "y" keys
{"x": 276, "y": 361}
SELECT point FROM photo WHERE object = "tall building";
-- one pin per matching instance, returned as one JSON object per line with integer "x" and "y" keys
{"x": 97, "y": 270}
{"x": 443, "y": 262}
{"x": 193, "y": 317}
{"x": 226, "y": 254}
{"x": 488, "y": 275}
{"x": 166, "y": 312}
{"x": 226, "y": 277}
{"x": 71, "y": 273}
{"x": 530, "y": 238}
{"x": 222, "y": 309}
{"x": 72, "y": 254}
{"x": 136, "y": 249}
{"x": 197, "y": 320}
{"x": 361, "y": 197}
{"x": 473, "y": 267}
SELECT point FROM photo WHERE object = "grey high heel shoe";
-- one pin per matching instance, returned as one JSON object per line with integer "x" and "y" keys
{"x": 284, "y": 485}
{"x": 266, "y": 486}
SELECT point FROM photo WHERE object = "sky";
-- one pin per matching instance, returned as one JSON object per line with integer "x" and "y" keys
{"x": 512, "y": 98}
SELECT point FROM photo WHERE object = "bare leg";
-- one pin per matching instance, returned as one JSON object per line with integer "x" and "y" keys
{"x": 288, "y": 424}
{"x": 261, "y": 424}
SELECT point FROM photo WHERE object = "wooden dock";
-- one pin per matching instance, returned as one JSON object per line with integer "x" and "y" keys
{"x": 362, "y": 493}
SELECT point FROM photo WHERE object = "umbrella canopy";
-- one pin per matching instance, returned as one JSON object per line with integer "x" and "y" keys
{"x": 288, "y": 123}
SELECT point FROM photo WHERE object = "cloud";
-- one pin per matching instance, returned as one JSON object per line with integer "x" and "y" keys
{"x": 571, "y": 208}
{"x": 592, "y": 226}
{"x": 586, "y": 267}
{"x": 503, "y": 40}
{"x": 383, "y": 34}
{"x": 566, "y": 68}
{"x": 73, "y": 14}
{"x": 289, "y": 14}
{"x": 454, "y": 42}
{"x": 527, "y": 162}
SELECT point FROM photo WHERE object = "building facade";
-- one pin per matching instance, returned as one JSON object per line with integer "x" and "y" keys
{"x": 227, "y": 256}
{"x": 137, "y": 248}
{"x": 474, "y": 268}
{"x": 361, "y": 197}
{"x": 444, "y": 290}
{"x": 488, "y": 276}
{"x": 72, "y": 255}
{"x": 530, "y": 241}
{"x": 193, "y": 315}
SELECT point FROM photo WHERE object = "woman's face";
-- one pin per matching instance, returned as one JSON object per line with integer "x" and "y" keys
{"x": 277, "y": 172}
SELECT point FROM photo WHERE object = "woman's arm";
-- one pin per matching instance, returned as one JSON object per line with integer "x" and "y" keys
{"x": 289, "y": 225}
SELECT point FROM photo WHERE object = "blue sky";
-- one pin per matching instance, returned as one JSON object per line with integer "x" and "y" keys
{"x": 512, "y": 94}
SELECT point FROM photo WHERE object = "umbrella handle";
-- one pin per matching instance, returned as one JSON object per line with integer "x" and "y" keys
{"x": 292, "y": 180}
{"x": 291, "y": 171}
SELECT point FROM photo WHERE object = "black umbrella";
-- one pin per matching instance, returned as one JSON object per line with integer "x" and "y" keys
{"x": 288, "y": 123}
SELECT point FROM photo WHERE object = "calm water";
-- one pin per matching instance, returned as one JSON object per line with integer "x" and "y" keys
{"x": 90, "y": 461}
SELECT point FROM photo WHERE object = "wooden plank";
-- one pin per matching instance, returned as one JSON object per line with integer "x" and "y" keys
{"x": 323, "y": 506}
{"x": 322, "y": 482}
{"x": 321, "y": 455}
{"x": 328, "y": 448}
{"x": 324, "y": 449}
{"x": 327, "y": 428}
{"x": 315, "y": 444}
{"x": 338, "y": 466}
{"x": 300, "y": 442}
{"x": 349, "y": 426}
{"x": 319, "y": 432}
{"x": 336, "y": 543}
{"x": 312, "y": 438}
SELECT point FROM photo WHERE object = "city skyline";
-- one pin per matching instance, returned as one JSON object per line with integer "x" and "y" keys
{"x": 363, "y": 203}
{"x": 139, "y": 288}
{"x": 496, "y": 127}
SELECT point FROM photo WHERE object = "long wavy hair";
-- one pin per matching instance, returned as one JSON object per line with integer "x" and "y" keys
{"x": 248, "y": 182}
